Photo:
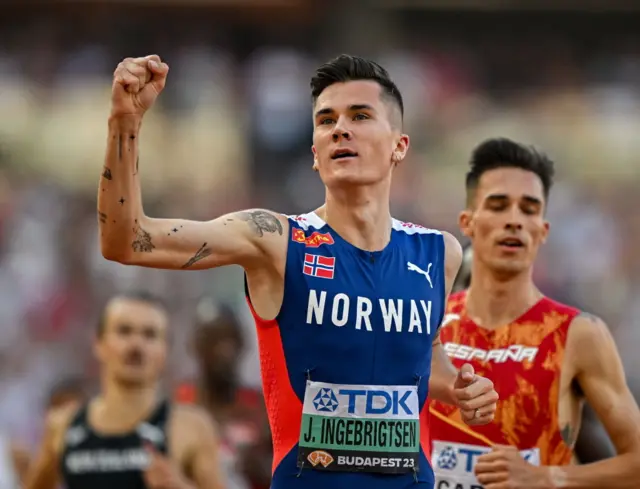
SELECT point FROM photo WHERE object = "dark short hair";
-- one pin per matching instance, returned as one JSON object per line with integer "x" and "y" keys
{"x": 134, "y": 295}
{"x": 346, "y": 68}
{"x": 505, "y": 153}
{"x": 214, "y": 321}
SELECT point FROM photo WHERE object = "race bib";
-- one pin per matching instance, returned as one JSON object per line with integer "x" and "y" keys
{"x": 360, "y": 428}
{"x": 453, "y": 464}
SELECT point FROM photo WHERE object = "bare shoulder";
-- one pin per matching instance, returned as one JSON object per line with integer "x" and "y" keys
{"x": 193, "y": 419}
{"x": 588, "y": 329}
{"x": 56, "y": 423}
{"x": 453, "y": 254}
{"x": 590, "y": 342}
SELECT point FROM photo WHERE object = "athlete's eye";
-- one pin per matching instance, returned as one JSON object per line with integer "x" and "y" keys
{"x": 124, "y": 329}
{"x": 150, "y": 333}
{"x": 360, "y": 117}
{"x": 497, "y": 206}
{"x": 326, "y": 121}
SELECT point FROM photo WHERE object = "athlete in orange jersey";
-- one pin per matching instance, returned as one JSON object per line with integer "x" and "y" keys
{"x": 545, "y": 358}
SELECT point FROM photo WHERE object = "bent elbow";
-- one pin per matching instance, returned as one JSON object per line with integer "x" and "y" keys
{"x": 115, "y": 254}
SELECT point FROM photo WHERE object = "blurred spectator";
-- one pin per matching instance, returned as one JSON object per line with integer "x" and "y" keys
{"x": 238, "y": 410}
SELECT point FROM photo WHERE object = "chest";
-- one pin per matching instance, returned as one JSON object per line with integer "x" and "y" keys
{"x": 380, "y": 293}
{"x": 104, "y": 461}
{"x": 522, "y": 365}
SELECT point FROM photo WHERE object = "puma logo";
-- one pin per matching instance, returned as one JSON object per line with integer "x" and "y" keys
{"x": 415, "y": 268}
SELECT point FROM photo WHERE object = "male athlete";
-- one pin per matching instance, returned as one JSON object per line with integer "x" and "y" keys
{"x": 544, "y": 357}
{"x": 592, "y": 443}
{"x": 127, "y": 438}
{"x": 347, "y": 300}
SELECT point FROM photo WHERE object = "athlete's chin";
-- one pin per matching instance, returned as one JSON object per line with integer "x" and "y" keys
{"x": 349, "y": 177}
{"x": 510, "y": 266}
{"x": 130, "y": 378}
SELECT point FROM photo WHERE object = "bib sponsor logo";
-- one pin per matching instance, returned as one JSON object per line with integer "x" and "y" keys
{"x": 398, "y": 315}
{"x": 315, "y": 240}
{"x": 361, "y": 427}
{"x": 514, "y": 353}
{"x": 453, "y": 463}
{"x": 320, "y": 457}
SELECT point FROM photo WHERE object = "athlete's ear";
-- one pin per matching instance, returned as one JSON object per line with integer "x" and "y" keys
{"x": 315, "y": 158}
{"x": 401, "y": 149}
{"x": 545, "y": 232}
{"x": 465, "y": 222}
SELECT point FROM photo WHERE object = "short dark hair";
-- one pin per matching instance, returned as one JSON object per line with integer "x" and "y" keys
{"x": 133, "y": 295}
{"x": 346, "y": 68}
{"x": 505, "y": 153}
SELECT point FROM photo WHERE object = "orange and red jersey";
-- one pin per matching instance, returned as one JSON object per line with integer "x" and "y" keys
{"x": 524, "y": 360}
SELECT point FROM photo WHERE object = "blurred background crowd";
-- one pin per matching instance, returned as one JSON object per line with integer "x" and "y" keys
{"x": 233, "y": 130}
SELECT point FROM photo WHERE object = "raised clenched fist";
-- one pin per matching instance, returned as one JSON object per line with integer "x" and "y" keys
{"x": 137, "y": 82}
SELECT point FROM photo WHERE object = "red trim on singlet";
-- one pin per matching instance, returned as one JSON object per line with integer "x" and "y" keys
{"x": 284, "y": 408}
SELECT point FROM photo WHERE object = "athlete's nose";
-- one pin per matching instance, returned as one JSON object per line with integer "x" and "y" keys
{"x": 341, "y": 134}
{"x": 514, "y": 220}
{"x": 513, "y": 226}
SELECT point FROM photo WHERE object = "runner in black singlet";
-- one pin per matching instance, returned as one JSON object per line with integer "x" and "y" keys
{"x": 126, "y": 437}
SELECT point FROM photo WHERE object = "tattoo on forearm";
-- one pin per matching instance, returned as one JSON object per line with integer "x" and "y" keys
{"x": 261, "y": 222}
{"x": 202, "y": 253}
{"x": 103, "y": 217}
{"x": 142, "y": 242}
{"x": 137, "y": 165}
{"x": 107, "y": 174}
{"x": 568, "y": 435}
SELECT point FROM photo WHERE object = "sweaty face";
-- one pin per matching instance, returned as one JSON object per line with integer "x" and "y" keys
{"x": 506, "y": 224}
{"x": 133, "y": 346}
{"x": 356, "y": 138}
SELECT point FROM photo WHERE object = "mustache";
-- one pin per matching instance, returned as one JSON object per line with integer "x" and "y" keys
{"x": 134, "y": 357}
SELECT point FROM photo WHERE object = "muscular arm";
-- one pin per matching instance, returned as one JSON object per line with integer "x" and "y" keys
{"x": 599, "y": 371}
{"x": 202, "y": 462}
{"x": 44, "y": 472}
{"x": 248, "y": 238}
{"x": 443, "y": 373}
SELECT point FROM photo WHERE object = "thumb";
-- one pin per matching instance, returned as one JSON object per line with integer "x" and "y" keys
{"x": 466, "y": 375}
{"x": 159, "y": 71}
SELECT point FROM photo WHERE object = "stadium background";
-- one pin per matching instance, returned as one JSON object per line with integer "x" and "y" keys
{"x": 232, "y": 130}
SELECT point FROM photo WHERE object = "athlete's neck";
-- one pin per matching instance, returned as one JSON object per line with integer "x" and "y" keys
{"x": 360, "y": 216}
{"x": 121, "y": 407}
{"x": 494, "y": 301}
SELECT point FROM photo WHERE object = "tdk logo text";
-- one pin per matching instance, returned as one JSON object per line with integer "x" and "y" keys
{"x": 379, "y": 401}
{"x": 464, "y": 457}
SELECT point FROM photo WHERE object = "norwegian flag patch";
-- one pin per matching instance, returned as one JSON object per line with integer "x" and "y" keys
{"x": 319, "y": 266}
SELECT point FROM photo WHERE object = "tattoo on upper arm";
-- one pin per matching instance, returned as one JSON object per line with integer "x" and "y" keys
{"x": 107, "y": 173}
{"x": 137, "y": 165}
{"x": 202, "y": 253}
{"x": 261, "y": 222}
{"x": 142, "y": 242}
{"x": 122, "y": 201}
{"x": 568, "y": 435}
{"x": 103, "y": 217}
